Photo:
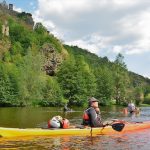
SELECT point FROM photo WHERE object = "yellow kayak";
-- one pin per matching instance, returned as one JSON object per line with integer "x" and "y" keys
{"x": 107, "y": 130}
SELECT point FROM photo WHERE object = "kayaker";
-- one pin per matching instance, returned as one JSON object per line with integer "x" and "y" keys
{"x": 131, "y": 107}
{"x": 92, "y": 115}
{"x": 65, "y": 109}
{"x": 58, "y": 122}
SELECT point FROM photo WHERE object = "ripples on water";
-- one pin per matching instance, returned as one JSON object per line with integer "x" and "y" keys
{"x": 130, "y": 141}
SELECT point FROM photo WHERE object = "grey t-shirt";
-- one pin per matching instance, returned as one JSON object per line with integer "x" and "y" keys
{"x": 94, "y": 118}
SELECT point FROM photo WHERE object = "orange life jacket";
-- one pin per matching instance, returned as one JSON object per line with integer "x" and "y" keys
{"x": 65, "y": 123}
{"x": 85, "y": 115}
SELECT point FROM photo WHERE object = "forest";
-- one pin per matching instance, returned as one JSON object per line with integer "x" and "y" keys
{"x": 37, "y": 69}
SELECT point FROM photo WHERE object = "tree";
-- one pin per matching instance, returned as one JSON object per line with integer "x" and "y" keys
{"x": 121, "y": 79}
{"x": 139, "y": 95}
{"x": 105, "y": 85}
{"x": 17, "y": 48}
{"x": 52, "y": 95}
{"x": 120, "y": 61}
{"x": 8, "y": 85}
{"x": 76, "y": 81}
{"x": 30, "y": 80}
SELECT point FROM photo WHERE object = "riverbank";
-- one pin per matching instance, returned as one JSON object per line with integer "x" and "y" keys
{"x": 145, "y": 105}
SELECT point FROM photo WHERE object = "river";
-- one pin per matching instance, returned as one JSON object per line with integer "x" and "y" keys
{"x": 38, "y": 117}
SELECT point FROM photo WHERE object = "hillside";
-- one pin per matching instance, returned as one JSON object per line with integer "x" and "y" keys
{"x": 37, "y": 69}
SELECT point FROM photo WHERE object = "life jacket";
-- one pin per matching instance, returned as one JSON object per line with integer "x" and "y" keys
{"x": 86, "y": 118}
{"x": 65, "y": 123}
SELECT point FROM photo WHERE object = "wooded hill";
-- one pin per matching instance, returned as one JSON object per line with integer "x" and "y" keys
{"x": 37, "y": 69}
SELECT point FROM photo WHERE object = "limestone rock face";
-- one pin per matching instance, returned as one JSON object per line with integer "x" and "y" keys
{"x": 5, "y": 29}
{"x": 52, "y": 59}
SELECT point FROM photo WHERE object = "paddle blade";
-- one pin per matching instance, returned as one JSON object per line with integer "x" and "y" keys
{"x": 118, "y": 126}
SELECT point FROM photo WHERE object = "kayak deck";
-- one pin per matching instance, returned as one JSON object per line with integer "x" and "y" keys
{"x": 17, "y": 132}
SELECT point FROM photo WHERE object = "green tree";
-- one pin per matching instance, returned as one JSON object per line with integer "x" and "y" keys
{"x": 147, "y": 99}
{"x": 8, "y": 86}
{"x": 105, "y": 85}
{"x": 139, "y": 95}
{"x": 17, "y": 48}
{"x": 76, "y": 81}
{"x": 30, "y": 81}
{"x": 121, "y": 79}
{"x": 52, "y": 95}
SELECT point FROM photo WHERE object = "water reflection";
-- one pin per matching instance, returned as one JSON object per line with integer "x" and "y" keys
{"x": 116, "y": 142}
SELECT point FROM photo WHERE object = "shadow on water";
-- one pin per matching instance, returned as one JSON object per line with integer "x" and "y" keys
{"x": 36, "y": 117}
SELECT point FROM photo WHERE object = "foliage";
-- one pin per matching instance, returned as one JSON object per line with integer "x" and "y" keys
{"x": 0, "y": 30}
{"x": 104, "y": 80}
{"x": 76, "y": 81}
{"x": 121, "y": 80}
{"x": 8, "y": 85}
{"x": 147, "y": 99}
{"x": 52, "y": 95}
{"x": 81, "y": 74}
{"x": 139, "y": 96}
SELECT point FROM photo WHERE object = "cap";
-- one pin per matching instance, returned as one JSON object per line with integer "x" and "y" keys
{"x": 92, "y": 99}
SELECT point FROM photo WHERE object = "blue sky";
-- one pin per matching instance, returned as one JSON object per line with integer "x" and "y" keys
{"x": 104, "y": 27}
{"x": 25, "y": 5}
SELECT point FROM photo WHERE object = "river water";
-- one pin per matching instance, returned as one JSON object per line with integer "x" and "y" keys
{"x": 38, "y": 117}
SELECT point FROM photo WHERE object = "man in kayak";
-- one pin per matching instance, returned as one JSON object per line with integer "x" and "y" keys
{"x": 91, "y": 116}
{"x": 131, "y": 107}
{"x": 66, "y": 108}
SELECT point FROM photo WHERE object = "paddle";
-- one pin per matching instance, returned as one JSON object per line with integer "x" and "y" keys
{"x": 118, "y": 126}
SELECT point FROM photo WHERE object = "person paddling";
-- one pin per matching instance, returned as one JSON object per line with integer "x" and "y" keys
{"x": 65, "y": 109}
{"x": 131, "y": 107}
{"x": 92, "y": 115}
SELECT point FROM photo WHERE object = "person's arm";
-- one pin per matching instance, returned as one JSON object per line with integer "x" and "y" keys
{"x": 95, "y": 120}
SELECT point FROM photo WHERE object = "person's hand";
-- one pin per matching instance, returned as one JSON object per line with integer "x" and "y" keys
{"x": 97, "y": 110}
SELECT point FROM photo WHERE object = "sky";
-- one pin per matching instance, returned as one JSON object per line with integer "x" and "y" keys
{"x": 103, "y": 27}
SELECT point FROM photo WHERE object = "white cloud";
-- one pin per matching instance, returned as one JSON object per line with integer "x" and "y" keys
{"x": 18, "y": 9}
{"x": 38, "y": 18}
{"x": 95, "y": 43}
{"x": 64, "y": 8}
{"x": 137, "y": 25}
{"x": 105, "y": 27}
{"x": 76, "y": 17}
{"x": 48, "y": 24}
{"x": 146, "y": 76}
{"x": 125, "y": 3}
{"x": 117, "y": 49}
{"x": 72, "y": 8}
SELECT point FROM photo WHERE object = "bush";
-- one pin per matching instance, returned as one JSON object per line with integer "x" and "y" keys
{"x": 147, "y": 99}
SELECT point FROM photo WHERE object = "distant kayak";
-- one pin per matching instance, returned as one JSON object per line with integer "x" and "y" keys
{"x": 108, "y": 130}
